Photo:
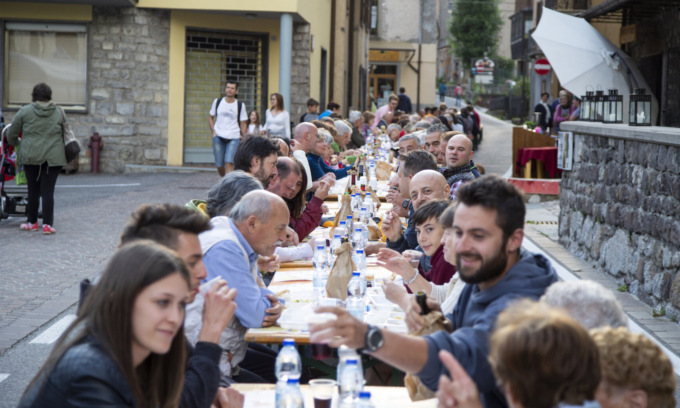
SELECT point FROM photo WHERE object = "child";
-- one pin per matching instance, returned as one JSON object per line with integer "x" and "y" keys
{"x": 254, "y": 127}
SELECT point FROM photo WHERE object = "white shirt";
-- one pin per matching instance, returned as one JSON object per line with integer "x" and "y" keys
{"x": 278, "y": 125}
{"x": 226, "y": 125}
{"x": 254, "y": 129}
{"x": 301, "y": 156}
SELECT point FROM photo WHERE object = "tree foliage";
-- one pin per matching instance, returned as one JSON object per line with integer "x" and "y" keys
{"x": 474, "y": 26}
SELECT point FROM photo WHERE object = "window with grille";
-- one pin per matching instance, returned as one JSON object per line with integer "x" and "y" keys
{"x": 52, "y": 53}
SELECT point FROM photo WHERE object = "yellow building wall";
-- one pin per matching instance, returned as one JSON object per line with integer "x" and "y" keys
{"x": 408, "y": 78}
{"x": 41, "y": 11}
{"x": 317, "y": 13}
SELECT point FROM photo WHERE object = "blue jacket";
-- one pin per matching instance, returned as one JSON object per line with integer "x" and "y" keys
{"x": 474, "y": 317}
{"x": 409, "y": 239}
{"x": 318, "y": 168}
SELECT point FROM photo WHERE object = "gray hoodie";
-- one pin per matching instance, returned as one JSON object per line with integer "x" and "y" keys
{"x": 474, "y": 318}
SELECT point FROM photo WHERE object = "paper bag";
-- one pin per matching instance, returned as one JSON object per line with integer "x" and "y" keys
{"x": 374, "y": 232}
{"x": 383, "y": 171}
{"x": 343, "y": 212}
{"x": 374, "y": 197}
{"x": 432, "y": 322}
{"x": 341, "y": 272}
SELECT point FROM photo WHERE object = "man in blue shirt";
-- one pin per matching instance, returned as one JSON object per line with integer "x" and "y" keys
{"x": 317, "y": 166}
{"x": 256, "y": 226}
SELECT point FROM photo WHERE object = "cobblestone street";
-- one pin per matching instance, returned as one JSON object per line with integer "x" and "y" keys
{"x": 40, "y": 274}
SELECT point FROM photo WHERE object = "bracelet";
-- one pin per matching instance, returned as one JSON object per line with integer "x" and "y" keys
{"x": 413, "y": 279}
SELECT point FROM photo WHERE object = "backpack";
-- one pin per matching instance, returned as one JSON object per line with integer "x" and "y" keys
{"x": 238, "y": 109}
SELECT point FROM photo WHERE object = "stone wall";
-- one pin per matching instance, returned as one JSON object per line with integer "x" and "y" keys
{"x": 128, "y": 86}
{"x": 619, "y": 207}
{"x": 300, "y": 72}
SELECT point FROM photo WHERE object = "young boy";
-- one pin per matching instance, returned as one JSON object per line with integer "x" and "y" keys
{"x": 312, "y": 111}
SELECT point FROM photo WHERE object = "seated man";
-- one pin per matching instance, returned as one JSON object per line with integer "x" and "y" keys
{"x": 458, "y": 160}
{"x": 484, "y": 233}
{"x": 256, "y": 226}
{"x": 409, "y": 143}
{"x": 257, "y": 155}
{"x": 424, "y": 185}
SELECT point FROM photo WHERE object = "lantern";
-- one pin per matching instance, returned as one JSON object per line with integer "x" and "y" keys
{"x": 597, "y": 107}
{"x": 640, "y": 113}
{"x": 586, "y": 106}
{"x": 613, "y": 107}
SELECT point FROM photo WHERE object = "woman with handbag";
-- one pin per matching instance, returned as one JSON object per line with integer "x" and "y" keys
{"x": 41, "y": 152}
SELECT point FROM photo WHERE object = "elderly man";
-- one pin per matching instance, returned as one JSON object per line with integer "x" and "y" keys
{"x": 357, "y": 121}
{"x": 306, "y": 138}
{"x": 257, "y": 155}
{"x": 483, "y": 237}
{"x": 425, "y": 185}
{"x": 432, "y": 140}
{"x": 285, "y": 181}
{"x": 391, "y": 105}
{"x": 458, "y": 157}
{"x": 256, "y": 225}
{"x": 409, "y": 143}
{"x": 317, "y": 165}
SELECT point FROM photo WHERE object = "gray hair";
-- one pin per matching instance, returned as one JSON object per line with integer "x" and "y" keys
{"x": 435, "y": 128}
{"x": 422, "y": 124}
{"x": 342, "y": 127}
{"x": 324, "y": 136}
{"x": 224, "y": 195}
{"x": 414, "y": 118}
{"x": 415, "y": 136}
{"x": 354, "y": 116}
{"x": 257, "y": 203}
{"x": 588, "y": 302}
{"x": 393, "y": 126}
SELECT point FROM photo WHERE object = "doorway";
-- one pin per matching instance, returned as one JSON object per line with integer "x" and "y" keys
{"x": 382, "y": 80}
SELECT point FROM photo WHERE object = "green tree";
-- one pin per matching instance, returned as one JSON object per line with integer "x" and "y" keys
{"x": 474, "y": 26}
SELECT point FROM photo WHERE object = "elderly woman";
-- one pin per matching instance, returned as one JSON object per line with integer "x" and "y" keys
{"x": 41, "y": 151}
{"x": 394, "y": 132}
{"x": 340, "y": 142}
{"x": 563, "y": 111}
{"x": 357, "y": 138}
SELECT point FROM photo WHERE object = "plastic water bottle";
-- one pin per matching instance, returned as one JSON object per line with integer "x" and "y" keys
{"x": 335, "y": 242}
{"x": 348, "y": 224}
{"x": 351, "y": 381}
{"x": 320, "y": 262}
{"x": 365, "y": 400}
{"x": 342, "y": 229}
{"x": 359, "y": 258}
{"x": 368, "y": 204}
{"x": 291, "y": 396}
{"x": 356, "y": 286}
{"x": 288, "y": 366}
{"x": 353, "y": 202}
{"x": 358, "y": 237}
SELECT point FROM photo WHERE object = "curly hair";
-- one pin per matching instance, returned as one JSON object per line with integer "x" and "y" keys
{"x": 632, "y": 361}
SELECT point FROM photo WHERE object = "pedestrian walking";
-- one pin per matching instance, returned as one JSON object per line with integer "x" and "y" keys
{"x": 458, "y": 93}
{"x": 404, "y": 104}
{"x": 277, "y": 119}
{"x": 228, "y": 122}
{"x": 442, "y": 91}
{"x": 41, "y": 152}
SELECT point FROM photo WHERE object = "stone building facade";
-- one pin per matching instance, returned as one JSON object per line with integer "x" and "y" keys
{"x": 619, "y": 207}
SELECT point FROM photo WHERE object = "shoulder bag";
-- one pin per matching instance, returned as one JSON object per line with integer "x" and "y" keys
{"x": 71, "y": 145}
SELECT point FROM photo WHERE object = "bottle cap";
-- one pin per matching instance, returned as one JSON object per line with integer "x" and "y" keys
{"x": 288, "y": 342}
{"x": 359, "y": 229}
{"x": 320, "y": 247}
{"x": 350, "y": 361}
{"x": 360, "y": 251}
{"x": 356, "y": 273}
{"x": 349, "y": 217}
{"x": 336, "y": 235}
{"x": 364, "y": 395}
{"x": 342, "y": 223}
{"x": 295, "y": 381}
{"x": 363, "y": 208}
{"x": 368, "y": 194}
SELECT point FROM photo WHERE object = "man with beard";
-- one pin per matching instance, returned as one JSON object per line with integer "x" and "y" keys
{"x": 483, "y": 236}
{"x": 257, "y": 155}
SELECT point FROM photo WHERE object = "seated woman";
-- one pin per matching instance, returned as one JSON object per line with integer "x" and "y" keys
{"x": 541, "y": 358}
{"x": 317, "y": 165}
{"x": 305, "y": 216}
{"x": 126, "y": 348}
{"x": 439, "y": 282}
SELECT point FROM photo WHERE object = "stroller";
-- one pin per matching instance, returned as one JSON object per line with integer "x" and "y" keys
{"x": 13, "y": 198}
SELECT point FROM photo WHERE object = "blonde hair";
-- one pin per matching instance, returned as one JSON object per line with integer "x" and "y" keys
{"x": 544, "y": 356}
{"x": 633, "y": 361}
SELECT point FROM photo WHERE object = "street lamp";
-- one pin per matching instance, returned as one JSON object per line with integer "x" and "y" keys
{"x": 613, "y": 107}
{"x": 640, "y": 113}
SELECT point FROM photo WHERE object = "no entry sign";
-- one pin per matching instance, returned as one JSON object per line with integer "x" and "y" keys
{"x": 542, "y": 66}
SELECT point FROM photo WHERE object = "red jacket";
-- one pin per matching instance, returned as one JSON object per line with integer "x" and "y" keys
{"x": 440, "y": 271}
{"x": 309, "y": 219}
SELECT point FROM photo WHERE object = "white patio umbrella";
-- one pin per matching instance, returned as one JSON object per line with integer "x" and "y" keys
{"x": 583, "y": 59}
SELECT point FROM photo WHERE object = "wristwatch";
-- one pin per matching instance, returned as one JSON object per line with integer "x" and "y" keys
{"x": 405, "y": 203}
{"x": 374, "y": 339}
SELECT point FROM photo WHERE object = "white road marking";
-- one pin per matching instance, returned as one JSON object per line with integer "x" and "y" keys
{"x": 566, "y": 275}
{"x": 51, "y": 335}
{"x": 97, "y": 185}
{"x": 3, "y": 377}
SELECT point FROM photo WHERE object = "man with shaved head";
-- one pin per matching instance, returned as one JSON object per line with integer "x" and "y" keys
{"x": 427, "y": 185}
{"x": 256, "y": 225}
{"x": 458, "y": 157}
{"x": 306, "y": 137}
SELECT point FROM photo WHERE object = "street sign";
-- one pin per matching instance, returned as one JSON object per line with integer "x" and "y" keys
{"x": 542, "y": 66}
{"x": 484, "y": 66}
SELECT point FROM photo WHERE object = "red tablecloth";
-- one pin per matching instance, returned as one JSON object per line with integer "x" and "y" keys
{"x": 548, "y": 155}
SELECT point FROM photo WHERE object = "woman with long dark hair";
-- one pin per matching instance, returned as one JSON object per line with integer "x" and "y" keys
{"x": 304, "y": 216}
{"x": 41, "y": 151}
{"x": 126, "y": 347}
{"x": 277, "y": 119}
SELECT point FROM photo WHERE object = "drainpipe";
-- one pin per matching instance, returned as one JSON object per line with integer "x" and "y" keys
{"x": 420, "y": 50}
{"x": 350, "y": 58}
{"x": 331, "y": 74}
{"x": 285, "y": 57}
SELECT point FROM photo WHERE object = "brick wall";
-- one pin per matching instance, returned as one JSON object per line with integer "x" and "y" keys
{"x": 619, "y": 207}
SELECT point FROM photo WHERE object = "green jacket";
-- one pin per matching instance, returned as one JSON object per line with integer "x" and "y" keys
{"x": 41, "y": 135}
